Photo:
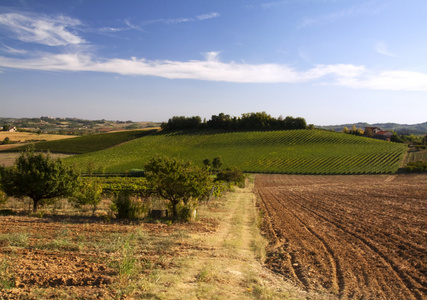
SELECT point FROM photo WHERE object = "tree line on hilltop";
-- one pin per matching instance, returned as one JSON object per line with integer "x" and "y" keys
{"x": 248, "y": 121}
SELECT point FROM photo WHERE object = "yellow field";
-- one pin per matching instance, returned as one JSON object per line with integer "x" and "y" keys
{"x": 22, "y": 137}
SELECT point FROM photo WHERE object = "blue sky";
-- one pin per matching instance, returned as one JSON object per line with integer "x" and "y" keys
{"x": 330, "y": 62}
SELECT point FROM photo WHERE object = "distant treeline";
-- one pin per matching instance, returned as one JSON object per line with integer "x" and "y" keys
{"x": 248, "y": 121}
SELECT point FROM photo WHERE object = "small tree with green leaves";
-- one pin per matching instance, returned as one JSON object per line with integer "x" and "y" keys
{"x": 217, "y": 163}
{"x": 180, "y": 182}
{"x": 207, "y": 163}
{"x": 6, "y": 141}
{"x": 232, "y": 175}
{"x": 89, "y": 193}
{"x": 38, "y": 177}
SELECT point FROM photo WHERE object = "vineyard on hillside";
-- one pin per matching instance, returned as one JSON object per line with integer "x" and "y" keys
{"x": 291, "y": 152}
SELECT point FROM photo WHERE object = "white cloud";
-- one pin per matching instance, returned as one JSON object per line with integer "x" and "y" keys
{"x": 208, "y": 16}
{"x": 388, "y": 80}
{"x": 212, "y": 56}
{"x": 14, "y": 51}
{"x": 46, "y": 30}
{"x": 111, "y": 29}
{"x": 212, "y": 69}
{"x": 132, "y": 26}
{"x": 179, "y": 20}
{"x": 382, "y": 48}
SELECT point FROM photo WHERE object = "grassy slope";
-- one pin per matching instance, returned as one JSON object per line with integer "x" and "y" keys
{"x": 298, "y": 151}
{"x": 88, "y": 143}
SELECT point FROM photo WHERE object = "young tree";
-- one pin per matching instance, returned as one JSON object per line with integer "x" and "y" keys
{"x": 177, "y": 181}
{"x": 89, "y": 193}
{"x": 38, "y": 177}
{"x": 217, "y": 163}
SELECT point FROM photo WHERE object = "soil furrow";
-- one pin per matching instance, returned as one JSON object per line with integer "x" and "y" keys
{"x": 405, "y": 278}
{"x": 371, "y": 231}
{"x": 337, "y": 276}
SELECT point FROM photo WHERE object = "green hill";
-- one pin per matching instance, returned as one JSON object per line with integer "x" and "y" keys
{"x": 295, "y": 152}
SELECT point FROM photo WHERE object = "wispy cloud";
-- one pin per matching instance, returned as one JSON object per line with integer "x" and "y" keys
{"x": 368, "y": 8}
{"x": 399, "y": 80}
{"x": 382, "y": 48}
{"x": 112, "y": 29}
{"x": 13, "y": 51}
{"x": 133, "y": 26}
{"x": 272, "y": 4}
{"x": 212, "y": 69}
{"x": 208, "y": 16}
{"x": 202, "y": 17}
{"x": 178, "y": 20}
{"x": 46, "y": 30}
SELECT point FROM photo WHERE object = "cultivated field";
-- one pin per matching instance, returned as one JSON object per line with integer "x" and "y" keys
{"x": 22, "y": 137}
{"x": 78, "y": 257}
{"x": 359, "y": 237}
{"x": 18, "y": 139}
{"x": 89, "y": 143}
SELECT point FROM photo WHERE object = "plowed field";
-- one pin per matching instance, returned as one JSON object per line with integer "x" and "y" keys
{"x": 358, "y": 237}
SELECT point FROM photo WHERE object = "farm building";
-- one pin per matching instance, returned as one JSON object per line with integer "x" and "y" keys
{"x": 383, "y": 135}
{"x": 8, "y": 128}
{"x": 374, "y": 130}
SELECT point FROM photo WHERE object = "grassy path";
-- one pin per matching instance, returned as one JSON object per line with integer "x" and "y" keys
{"x": 228, "y": 265}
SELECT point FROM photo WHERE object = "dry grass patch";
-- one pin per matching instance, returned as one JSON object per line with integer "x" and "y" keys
{"x": 22, "y": 137}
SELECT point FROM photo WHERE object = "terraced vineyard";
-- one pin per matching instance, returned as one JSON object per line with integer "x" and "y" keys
{"x": 292, "y": 152}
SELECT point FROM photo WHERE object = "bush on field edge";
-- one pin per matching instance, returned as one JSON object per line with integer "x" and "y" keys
{"x": 417, "y": 166}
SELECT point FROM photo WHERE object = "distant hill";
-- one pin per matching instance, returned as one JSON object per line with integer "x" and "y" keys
{"x": 72, "y": 126}
{"x": 399, "y": 128}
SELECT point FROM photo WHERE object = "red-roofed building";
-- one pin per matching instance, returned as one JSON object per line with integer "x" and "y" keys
{"x": 383, "y": 135}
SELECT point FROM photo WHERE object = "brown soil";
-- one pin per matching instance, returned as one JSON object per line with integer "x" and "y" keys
{"x": 358, "y": 237}
{"x": 76, "y": 257}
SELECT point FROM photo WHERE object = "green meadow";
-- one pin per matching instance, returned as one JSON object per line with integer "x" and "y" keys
{"x": 291, "y": 152}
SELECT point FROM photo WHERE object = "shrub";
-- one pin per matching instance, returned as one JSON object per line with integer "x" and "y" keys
{"x": 126, "y": 207}
{"x": 232, "y": 175}
{"x": 417, "y": 166}
{"x": 3, "y": 197}
{"x": 90, "y": 193}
